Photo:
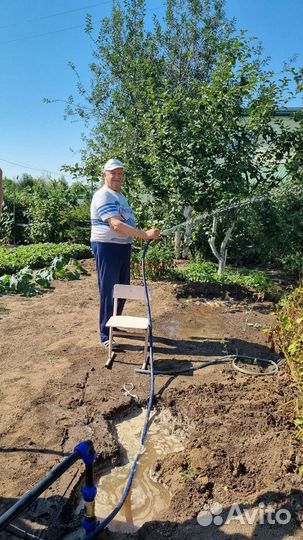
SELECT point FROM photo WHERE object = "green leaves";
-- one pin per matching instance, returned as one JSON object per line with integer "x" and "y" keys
{"x": 289, "y": 335}
{"x": 39, "y": 255}
{"x": 23, "y": 283}
{"x": 88, "y": 24}
{"x": 294, "y": 347}
{"x": 46, "y": 211}
{"x": 42, "y": 282}
{"x": 29, "y": 283}
{"x": 207, "y": 272}
{"x": 159, "y": 262}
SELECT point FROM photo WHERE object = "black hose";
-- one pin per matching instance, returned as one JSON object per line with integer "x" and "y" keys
{"x": 234, "y": 358}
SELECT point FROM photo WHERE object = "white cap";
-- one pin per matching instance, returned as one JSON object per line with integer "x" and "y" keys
{"x": 112, "y": 164}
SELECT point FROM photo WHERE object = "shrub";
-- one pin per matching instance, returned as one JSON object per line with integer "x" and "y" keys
{"x": 287, "y": 337}
{"x": 159, "y": 262}
{"x": 207, "y": 273}
{"x": 267, "y": 232}
{"x": 45, "y": 211}
{"x": 294, "y": 263}
{"x": 290, "y": 330}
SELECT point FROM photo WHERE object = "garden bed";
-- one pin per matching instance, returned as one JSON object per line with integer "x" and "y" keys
{"x": 223, "y": 291}
{"x": 39, "y": 255}
{"x": 56, "y": 392}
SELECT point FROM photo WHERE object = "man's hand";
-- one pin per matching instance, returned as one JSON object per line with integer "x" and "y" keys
{"x": 152, "y": 234}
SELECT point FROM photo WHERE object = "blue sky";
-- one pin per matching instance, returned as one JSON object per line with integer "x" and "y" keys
{"x": 37, "y": 40}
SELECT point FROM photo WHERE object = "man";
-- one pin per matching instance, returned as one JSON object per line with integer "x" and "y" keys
{"x": 113, "y": 230}
{"x": 1, "y": 192}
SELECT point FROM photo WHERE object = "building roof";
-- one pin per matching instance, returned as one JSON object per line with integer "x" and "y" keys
{"x": 287, "y": 111}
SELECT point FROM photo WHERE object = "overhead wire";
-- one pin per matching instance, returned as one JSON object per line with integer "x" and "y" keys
{"x": 61, "y": 30}
{"x": 36, "y": 19}
{"x": 238, "y": 204}
{"x": 19, "y": 164}
{"x": 43, "y": 34}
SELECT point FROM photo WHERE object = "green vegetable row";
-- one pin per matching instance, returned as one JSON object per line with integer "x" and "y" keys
{"x": 29, "y": 283}
{"x": 207, "y": 272}
{"x": 39, "y": 255}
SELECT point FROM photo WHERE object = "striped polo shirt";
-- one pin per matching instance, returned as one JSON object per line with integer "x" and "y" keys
{"x": 105, "y": 204}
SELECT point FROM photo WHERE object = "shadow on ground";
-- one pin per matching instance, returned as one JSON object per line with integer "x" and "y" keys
{"x": 198, "y": 346}
{"x": 41, "y": 521}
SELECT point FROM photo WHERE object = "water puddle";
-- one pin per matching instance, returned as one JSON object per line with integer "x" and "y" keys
{"x": 198, "y": 324}
{"x": 147, "y": 498}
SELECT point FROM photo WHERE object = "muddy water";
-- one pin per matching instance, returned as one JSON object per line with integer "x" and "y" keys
{"x": 199, "y": 317}
{"x": 147, "y": 498}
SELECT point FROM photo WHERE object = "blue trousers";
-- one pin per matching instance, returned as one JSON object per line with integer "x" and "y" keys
{"x": 113, "y": 266}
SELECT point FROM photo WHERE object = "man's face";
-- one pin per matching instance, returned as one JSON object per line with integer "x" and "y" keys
{"x": 114, "y": 179}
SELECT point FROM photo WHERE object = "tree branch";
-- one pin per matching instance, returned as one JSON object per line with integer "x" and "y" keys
{"x": 212, "y": 238}
{"x": 226, "y": 239}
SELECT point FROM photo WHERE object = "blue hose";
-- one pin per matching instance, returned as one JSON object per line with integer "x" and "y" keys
{"x": 128, "y": 486}
{"x": 152, "y": 374}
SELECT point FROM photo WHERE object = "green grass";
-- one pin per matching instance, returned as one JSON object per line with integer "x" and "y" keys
{"x": 206, "y": 272}
{"x": 39, "y": 255}
{"x": 189, "y": 475}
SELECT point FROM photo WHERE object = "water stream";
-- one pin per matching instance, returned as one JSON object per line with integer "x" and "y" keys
{"x": 147, "y": 498}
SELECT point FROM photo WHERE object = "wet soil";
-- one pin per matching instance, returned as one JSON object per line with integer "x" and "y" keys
{"x": 56, "y": 392}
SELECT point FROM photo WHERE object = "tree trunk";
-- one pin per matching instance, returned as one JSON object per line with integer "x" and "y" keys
{"x": 222, "y": 264}
{"x": 221, "y": 255}
{"x": 178, "y": 244}
{"x": 188, "y": 230}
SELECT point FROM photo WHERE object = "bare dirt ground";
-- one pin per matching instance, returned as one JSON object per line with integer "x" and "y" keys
{"x": 55, "y": 392}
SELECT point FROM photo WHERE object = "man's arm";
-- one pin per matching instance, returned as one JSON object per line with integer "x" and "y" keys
{"x": 1, "y": 191}
{"x": 127, "y": 230}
